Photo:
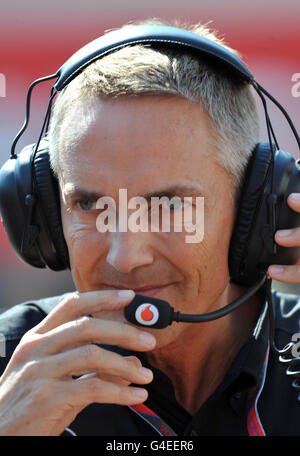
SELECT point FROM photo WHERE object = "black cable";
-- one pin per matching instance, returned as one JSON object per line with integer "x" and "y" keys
{"x": 27, "y": 112}
{"x": 268, "y": 120}
{"x": 270, "y": 132}
{"x": 281, "y": 108}
{"x": 273, "y": 134}
{"x": 179, "y": 317}
{"x": 45, "y": 122}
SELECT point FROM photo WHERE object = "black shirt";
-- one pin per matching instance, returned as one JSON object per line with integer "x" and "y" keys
{"x": 254, "y": 398}
{"x": 227, "y": 409}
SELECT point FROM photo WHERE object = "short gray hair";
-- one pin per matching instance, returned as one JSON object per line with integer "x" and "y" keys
{"x": 140, "y": 69}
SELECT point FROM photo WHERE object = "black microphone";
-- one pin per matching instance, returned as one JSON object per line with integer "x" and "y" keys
{"x": 148, "y": 311}
{"x": 158, "y": 313}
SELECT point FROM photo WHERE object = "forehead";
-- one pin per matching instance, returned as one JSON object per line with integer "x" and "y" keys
{"x": 135, "y": 142}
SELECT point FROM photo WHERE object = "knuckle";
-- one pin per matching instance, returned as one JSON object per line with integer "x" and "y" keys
{"x": 95, "y": 389}
{"x": 133, "y": 360}
{"x": 71, "y": 297}
{"x": 20, "y": 354}
{"x": 92, "y": 353}
{"x": 31, "y": 370}
{"x": 25, "y": 348}
{"x": 71, "y": 300}
{"x": 84, "y": 325}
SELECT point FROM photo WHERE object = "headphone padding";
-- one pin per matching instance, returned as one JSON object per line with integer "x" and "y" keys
{"x": 250, "y": 197}
{"x": 48, "y": 194}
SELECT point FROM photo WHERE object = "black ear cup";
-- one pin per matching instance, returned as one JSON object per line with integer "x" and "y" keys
{"x": 47, "y": 190}
{"x": 252, "y": 247}
{"x": 249, "y": 199}
{"x": 32, "y": 221}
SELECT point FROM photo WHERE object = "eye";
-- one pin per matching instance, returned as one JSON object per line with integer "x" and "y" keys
{"x": 86, "y": 205}
{"x": 176, "y": 204}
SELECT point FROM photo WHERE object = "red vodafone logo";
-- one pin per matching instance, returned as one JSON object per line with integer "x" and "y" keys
{"x": 147, "y": 314}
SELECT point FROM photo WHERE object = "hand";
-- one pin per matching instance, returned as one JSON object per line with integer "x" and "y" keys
{"x": 288, "y": 238}
{"x": 38, "y": 392}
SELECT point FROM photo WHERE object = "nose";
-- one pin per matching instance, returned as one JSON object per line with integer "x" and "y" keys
{"x": 129, "y": 250}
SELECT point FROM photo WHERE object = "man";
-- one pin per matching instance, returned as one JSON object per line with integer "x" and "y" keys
{"x": 157, "y": 123}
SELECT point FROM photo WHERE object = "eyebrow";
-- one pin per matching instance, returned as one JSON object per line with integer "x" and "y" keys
{"x": 176, "y": 190}
{"x": 75, "y": 192}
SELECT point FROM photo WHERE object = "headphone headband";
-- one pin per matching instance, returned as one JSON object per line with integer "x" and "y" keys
{"x": 148, "y": 34}
{"x": 39, "y": 239}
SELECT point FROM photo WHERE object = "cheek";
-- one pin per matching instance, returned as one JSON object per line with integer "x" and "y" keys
{"x": 205, "y": 262}
{"x": 209, "y": 258}
{"x": 212, "y": 250}
{"x": 218, "y": 235}
{"x": 85, "y": 253}
{"x": 83, "y": 242}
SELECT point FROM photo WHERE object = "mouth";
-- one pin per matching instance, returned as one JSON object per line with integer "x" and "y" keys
{"x": 149, "y": 290}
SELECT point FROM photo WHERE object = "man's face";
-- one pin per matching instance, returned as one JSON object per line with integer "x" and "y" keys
{"x": 149, "y": 145}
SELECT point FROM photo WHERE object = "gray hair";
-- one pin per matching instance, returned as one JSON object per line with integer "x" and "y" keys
{"x": 140, "y": 69}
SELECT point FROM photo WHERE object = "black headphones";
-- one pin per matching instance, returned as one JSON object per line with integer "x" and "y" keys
{"x": 29, "y": 199}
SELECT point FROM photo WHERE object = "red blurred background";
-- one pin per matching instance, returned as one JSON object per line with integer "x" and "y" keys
{"x": 37, "y": 37}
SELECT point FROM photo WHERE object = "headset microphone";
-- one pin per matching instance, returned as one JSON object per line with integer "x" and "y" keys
{"x": 157, "y": 313}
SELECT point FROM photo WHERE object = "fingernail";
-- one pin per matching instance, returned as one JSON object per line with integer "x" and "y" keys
{"x": 139, "y": 393}
{"x": 295, "y": 196}
{"x": 126, "y": 294}
{"x": 276, "y": 270}
{"x": 147, "y": 339}
{"x": 284, "y": 233}
{"x": 147, "y": 373}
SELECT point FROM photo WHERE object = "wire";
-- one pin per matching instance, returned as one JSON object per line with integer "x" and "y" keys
{"x": 45, "y": 122}
{"x": 27, "y": 112}
{"x": 226, "y": 309}
{"x": 284, "y": 112}
{"x": 270, "y": 133}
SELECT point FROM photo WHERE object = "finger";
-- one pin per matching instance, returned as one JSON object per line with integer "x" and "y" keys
{"x": 107, "y": 378}
{"x": 287, "y": 274}
{"x": 114, "y": 378}
{"x": 288, "y": 238}
{"x": 294, "y": 201}
{"x": 75, "y": 305}
{"x": 83, "y": 392}
{"x": 88, "y": 331}
{"x": 93, "y": 359}
{"x": 134, "y": 359}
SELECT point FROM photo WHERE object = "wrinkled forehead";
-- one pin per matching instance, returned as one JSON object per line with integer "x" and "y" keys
{"x": 135, "y": 141}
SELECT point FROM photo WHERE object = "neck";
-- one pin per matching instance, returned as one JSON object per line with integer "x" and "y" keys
{"x": 212, "y": 346}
